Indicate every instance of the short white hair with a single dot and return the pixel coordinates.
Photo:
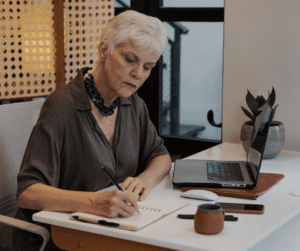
(130, 26)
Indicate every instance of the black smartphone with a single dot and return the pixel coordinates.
(242, 208)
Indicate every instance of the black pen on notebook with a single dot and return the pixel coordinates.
(90, 220)
(112, 180)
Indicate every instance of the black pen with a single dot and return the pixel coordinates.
(90, 220)
(112, 180)
(192, 216)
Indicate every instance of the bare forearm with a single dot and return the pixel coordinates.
(156, 170)
(42, 197)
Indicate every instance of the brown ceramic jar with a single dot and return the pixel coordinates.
(209, 219)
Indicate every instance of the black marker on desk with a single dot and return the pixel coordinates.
(112, 180)
(192, 216)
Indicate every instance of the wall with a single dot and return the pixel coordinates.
(261, 50)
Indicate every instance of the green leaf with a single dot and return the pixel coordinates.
(260, 101)
(251, 102)
(273, 113)
(272, 97)
(248, 114)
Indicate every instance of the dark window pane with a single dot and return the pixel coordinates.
(192, 80)
(193, 3)
(122, 3)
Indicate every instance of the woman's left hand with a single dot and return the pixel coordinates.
(136, 186)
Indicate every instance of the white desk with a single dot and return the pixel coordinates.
(251, 232)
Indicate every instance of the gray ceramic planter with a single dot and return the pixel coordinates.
(275, 141)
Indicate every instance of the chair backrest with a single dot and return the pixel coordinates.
(16, 123)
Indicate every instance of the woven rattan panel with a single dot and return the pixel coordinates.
(27, 50)
(84, 22)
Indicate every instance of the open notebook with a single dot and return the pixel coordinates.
(150, 211)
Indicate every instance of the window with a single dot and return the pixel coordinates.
(192, 80)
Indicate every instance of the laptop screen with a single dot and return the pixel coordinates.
(259, 139)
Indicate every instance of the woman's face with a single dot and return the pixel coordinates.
(127, 68)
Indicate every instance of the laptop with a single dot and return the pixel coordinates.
(228, 174)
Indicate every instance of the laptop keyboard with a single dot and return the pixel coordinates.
(224, 171)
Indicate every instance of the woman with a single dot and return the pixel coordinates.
(97, 120)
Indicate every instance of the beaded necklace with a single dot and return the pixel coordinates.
(97, 99)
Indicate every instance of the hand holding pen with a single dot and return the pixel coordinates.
(130, 203)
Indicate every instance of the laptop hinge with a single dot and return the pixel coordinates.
(250, 173)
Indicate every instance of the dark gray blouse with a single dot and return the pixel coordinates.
(67, 147)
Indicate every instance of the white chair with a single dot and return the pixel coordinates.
(16, 123)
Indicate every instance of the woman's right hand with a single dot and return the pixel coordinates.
(114, 203)
(108, 203)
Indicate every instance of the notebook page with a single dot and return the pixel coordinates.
(150, 211)
(163, 206)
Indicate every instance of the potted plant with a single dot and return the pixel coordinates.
(276, 136)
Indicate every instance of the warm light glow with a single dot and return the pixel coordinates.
(26, 48)
(27, 42)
